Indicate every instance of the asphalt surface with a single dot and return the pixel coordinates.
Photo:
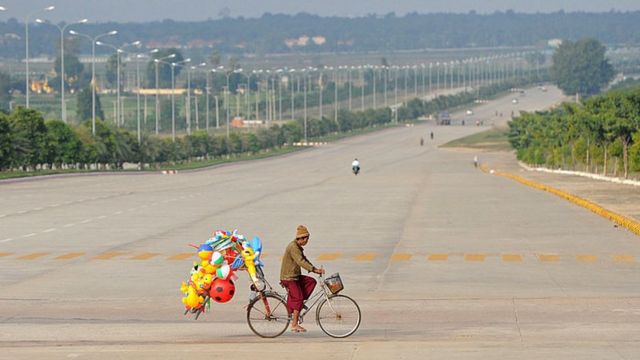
(445, 261)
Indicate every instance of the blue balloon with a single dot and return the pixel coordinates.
(205, 247)
(256, 244)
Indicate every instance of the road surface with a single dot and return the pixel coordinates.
(445, 261)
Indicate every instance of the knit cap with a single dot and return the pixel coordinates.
(301, 232)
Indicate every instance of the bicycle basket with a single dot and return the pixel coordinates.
(334, 283)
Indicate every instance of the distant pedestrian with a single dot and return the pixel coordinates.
(475, 161)
(421, 141)
(431, 135)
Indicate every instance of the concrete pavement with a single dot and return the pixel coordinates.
(446, 261)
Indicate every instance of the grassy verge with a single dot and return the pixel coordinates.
(199, 164)
(179, 166)
(231, 158)
(494, 139)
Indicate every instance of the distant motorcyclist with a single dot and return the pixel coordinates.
(355, 166)
(431, 135)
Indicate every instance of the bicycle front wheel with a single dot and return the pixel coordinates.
(268, 316)
(338, 316)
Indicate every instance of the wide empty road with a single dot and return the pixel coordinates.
(445, 261)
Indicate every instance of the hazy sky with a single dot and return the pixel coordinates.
(149, 10)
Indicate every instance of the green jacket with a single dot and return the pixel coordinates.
(292, 261)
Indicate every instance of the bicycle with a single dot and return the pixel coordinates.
(337, 315)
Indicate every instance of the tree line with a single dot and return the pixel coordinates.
(268, 33)
(602, 135)
(28, 142)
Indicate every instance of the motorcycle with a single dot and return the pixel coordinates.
(355, 169)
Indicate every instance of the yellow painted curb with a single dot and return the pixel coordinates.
(630, 224)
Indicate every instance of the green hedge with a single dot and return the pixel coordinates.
(601, 135)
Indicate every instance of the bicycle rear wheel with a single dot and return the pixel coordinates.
(267, 316)
(339, 316)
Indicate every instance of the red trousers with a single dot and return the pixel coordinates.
(299, 291)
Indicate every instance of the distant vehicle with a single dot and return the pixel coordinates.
(514, 101)
(443, 118)
(469, 112)
(544, 89)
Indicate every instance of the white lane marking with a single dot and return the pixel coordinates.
(29, 235)
(101, 217)
(6, 240)
(69, 225)
(85, 221)
(117, 213)
(131, 209)
(3, 215)
(38, 208)
(49, 230)
(21, 212)
(54, 205)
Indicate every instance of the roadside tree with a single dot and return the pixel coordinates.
(580, 68)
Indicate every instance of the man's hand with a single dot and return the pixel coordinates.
(318, 271)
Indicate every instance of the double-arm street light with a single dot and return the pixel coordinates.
(173, 95)
(157, 63)
(93, 72)
(247, 94)
(26, 31)
(62, 29)
(119, 50)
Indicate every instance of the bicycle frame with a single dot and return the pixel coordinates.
(316, 297)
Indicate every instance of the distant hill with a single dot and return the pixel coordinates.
(273, 33)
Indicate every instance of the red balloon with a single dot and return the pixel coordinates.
(222, 290)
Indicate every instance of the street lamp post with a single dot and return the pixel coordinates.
(62, 29)
(118, 117)
(320, 83)
(157, 63)
(138, 56)
(292, 94)
(385, 78)
(395, 85)
(374, 86)
(279, 72)
(349, 69)
(26, 30)
(247, 92)
(335, 94)
(304, 86)
(361, 87)
(214, 71)
(93, 72)
(173, 96)
(188, 109)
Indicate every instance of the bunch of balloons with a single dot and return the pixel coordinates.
(211, 278)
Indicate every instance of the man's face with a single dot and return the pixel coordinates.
(303, 241)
